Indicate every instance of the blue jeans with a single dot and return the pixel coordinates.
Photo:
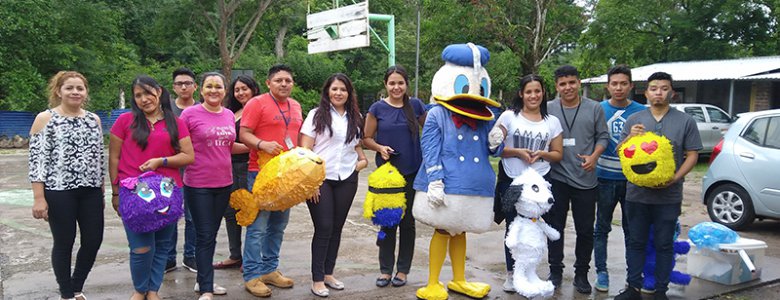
(663, 217)
(263, 239)
(611, 192)
(189, 236)
(148, 255)
(207, 206)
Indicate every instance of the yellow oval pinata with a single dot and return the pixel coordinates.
(647, 160)
(284, 181)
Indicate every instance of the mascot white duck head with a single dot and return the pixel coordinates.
(462, 85)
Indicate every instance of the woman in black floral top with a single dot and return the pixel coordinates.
(66, 171)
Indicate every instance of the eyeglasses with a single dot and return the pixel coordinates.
(184, 84)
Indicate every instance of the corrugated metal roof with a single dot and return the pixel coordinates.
(771, 76)
(727, 69)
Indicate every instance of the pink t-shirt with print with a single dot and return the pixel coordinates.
(159, 145)
(212, 137)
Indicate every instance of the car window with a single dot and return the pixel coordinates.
(696, 112)
(756, 132)
(773, 133)
(717, 116)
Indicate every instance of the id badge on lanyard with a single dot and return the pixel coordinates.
(288, 141)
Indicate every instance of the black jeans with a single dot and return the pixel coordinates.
(231, 225)
(67, 208)
(406, 237)
(328, 216)
(583, 210)
(207, 206)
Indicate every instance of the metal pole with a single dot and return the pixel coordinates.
(390, 19)
(417, 56)
(391, 41)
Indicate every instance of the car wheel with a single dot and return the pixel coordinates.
(730, 205)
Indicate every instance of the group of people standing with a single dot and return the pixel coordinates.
(211, 148)
(572, 141)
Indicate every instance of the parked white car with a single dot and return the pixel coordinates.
(712, 122)
(743, 180)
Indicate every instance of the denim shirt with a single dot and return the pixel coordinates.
(458, 156)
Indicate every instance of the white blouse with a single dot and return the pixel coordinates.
(340, 157)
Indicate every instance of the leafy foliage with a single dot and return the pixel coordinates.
(112, 41)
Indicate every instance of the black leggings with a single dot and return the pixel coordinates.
(328, 216)
(66, 208)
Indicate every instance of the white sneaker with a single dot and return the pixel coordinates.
(218, 290)
(508, 286)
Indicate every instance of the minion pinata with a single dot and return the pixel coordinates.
(385, 201)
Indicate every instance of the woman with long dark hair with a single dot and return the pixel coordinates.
(241, 90)
(148, 138)
(333, 131)
(393, 130)
(532, 140)
(66, 172)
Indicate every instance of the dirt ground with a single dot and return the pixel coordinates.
(25, 245)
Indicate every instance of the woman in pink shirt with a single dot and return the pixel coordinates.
(149, 138)
(208, 181)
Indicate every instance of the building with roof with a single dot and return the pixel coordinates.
(736, 85)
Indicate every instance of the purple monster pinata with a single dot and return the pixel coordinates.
(149, 202)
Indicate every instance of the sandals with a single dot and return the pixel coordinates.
(222, 265)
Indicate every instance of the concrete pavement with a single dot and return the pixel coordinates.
(25, 269)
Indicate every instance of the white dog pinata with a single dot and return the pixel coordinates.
(531, 197)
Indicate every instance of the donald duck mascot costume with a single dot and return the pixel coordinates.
(456, 183)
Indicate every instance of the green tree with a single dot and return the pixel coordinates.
(534, 29)
(643, 32)
(27, 27)
(234, 22)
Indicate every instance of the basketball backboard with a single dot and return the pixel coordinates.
(338, 29)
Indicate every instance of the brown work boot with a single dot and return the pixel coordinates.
(257, 288)
(276, 279)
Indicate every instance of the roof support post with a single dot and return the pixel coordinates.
(586, 90)
(731, 98)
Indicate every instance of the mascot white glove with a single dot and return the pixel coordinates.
(495, 137)
(436, 194)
